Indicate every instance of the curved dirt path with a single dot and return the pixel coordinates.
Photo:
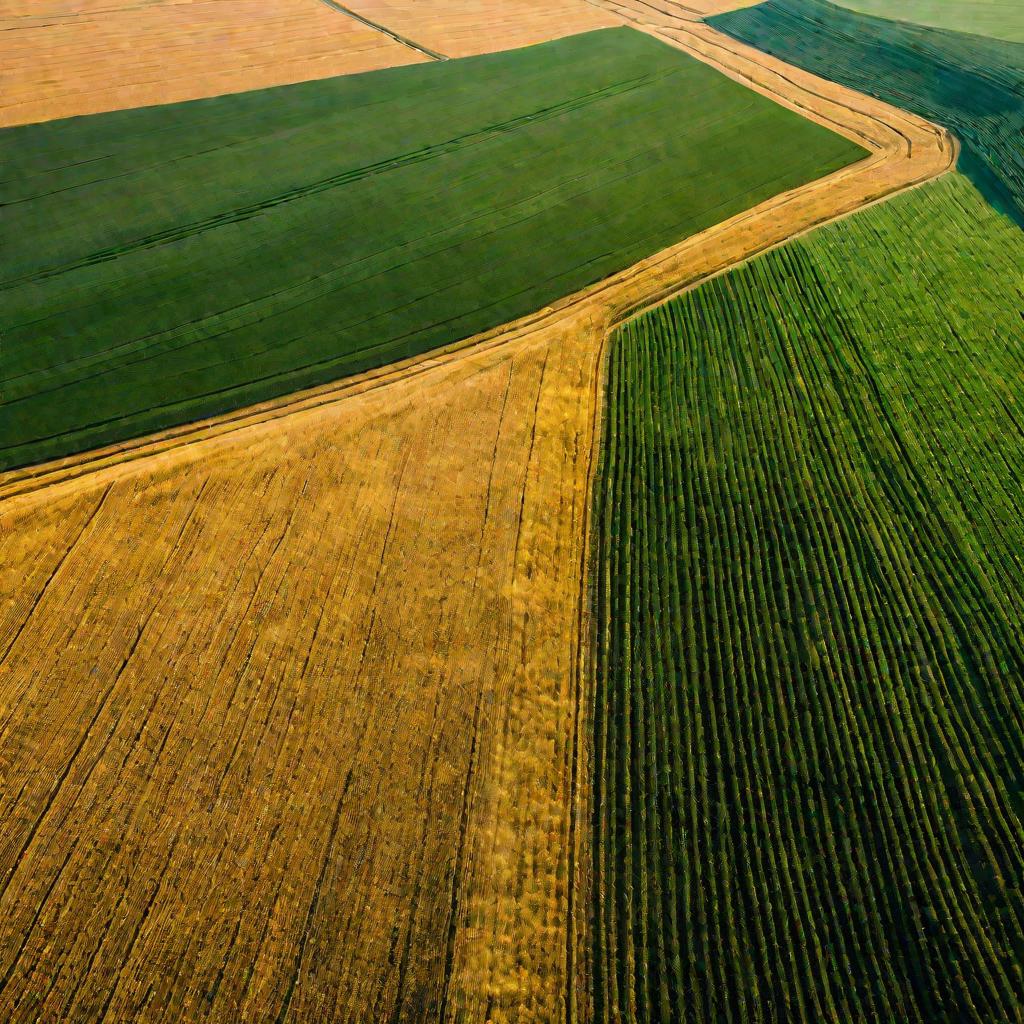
(294, 700)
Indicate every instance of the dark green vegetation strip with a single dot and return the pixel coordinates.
(174, 262)
(970, 85)
(810, 610)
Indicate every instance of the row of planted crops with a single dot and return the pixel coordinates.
(970, 84)
(809, 606)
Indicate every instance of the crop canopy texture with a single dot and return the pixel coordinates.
(174, 262)
(810, 612)
(972, 86)
(1000, 19)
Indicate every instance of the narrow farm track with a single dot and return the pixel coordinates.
(377, 27)
(294, 703)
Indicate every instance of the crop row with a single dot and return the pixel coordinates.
(809, 604)
(969, 84)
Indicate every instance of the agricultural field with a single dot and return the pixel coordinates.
(266, 759)
(509, 513)
(62, 59)
(463, 28)
(999, 19)
(809, 716)
(971, 85)
(371, 232)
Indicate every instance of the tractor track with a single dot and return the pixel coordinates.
(377, 27)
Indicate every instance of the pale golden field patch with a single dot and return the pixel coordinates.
(267, 705)
(62, 59)
(294, 703)
(461, 28)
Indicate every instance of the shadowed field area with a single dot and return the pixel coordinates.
(970, 85)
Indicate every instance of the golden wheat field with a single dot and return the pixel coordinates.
(294, 703)
(274, 707)
(63, 59)
(461, 28)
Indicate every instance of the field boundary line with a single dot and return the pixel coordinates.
(377, 27)
(946, 148)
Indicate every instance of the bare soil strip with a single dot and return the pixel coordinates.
(292, 699)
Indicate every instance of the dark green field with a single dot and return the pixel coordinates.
(185, 260)
(809, 559)
(971, 85)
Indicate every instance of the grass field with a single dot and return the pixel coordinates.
(999, 19)
(392, 213)
(972, 86)
(809, 717)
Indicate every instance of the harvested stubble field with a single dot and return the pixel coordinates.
(810, 618)
(273, 772)
(62, 59)
(462, 28)
(393, 213)
(290, 718)
(971, 85)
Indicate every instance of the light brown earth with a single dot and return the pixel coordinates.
(62, 58)
(293, 705)
(461, 28)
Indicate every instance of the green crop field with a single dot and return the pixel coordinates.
(1000, 19)
(190, 259)
(809, 559)
(972, 86)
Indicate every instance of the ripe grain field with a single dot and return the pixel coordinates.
(273, 710)
(809, 612)
(63, 60)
